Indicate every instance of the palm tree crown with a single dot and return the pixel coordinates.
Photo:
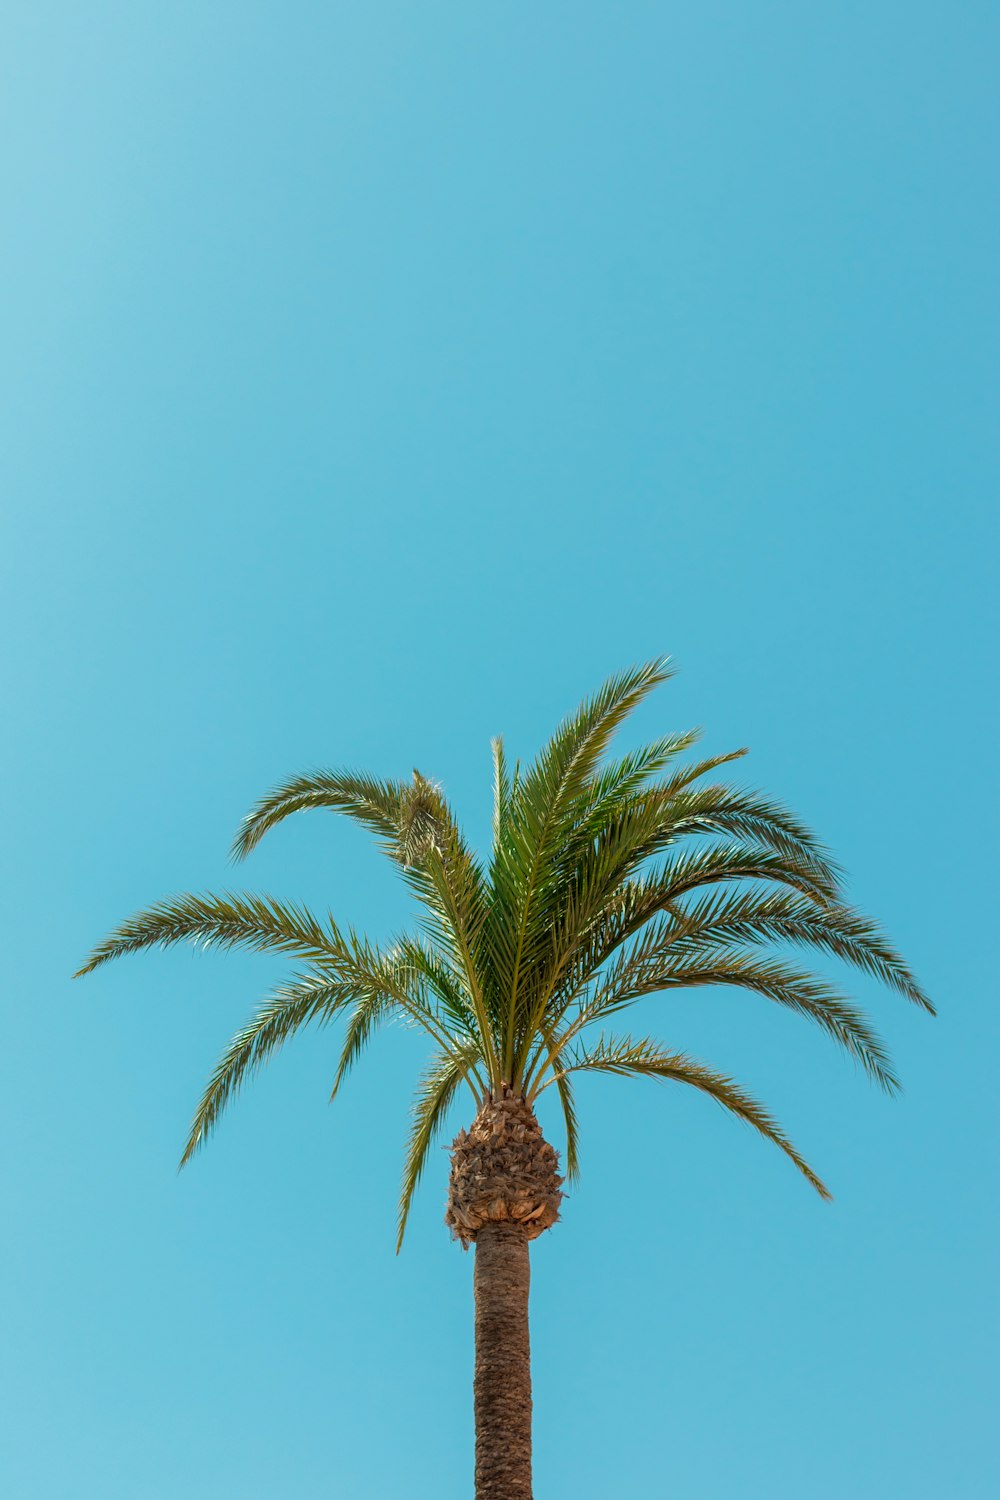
(608, 880)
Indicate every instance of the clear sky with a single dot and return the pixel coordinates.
(376, 378)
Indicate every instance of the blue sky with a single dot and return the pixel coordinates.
(374, 379)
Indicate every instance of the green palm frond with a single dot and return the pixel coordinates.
(434, 1095)
(749, 818)
(641, 973)
(604, 899)
(420, 833)
(646, 1058)
(412, 818)
(599, 839)
(407, 982)
(256, 923)
(724, 863)
(685, 777)
(373, 803)
(291, 1007)
(565, 1091)
(537, 822)
(398, 987)
(596, 923)
(501, 792)
(366, 1016)
(456, 909)
(732, 919)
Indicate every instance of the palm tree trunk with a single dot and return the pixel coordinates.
(502, 1385)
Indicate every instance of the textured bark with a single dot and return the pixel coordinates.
(502, 1384)
(504, 1191)
(503, 1170)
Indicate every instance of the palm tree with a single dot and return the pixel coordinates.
(607, 881)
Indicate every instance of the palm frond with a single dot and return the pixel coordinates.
(456, 902)
(417, 830)
(536, 824)
(611, 789)
(647, 970)
(434, 1095)
(404, 982)
(646, 1058)
(373, 803)
(613, 908)
(256, 923)
(748, 817)
(292, 1006)
(565, 1092)
(501, 793)
(734, 919)
(366, 1016)
(685, 777)
(725, 863)
(572, 754)
(771, 846)
(434, 970)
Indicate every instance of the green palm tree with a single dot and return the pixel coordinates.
(607, 881)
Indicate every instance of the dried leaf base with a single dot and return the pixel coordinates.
(503, 1170)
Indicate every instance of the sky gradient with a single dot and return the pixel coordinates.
(375, 379)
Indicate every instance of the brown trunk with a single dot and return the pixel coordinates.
(505, 1190)
(502, 1385)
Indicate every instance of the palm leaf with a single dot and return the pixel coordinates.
(598, 922)
(646, 1058)
(748, 817)
(648, 971)
(733, 919)
(565, 1092)
(373, 803)
(291, 1007)
(368, 1013)
(538, 809)
(434, 1095)
(256, 923)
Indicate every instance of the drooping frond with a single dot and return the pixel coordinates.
(748, 817)
(607, 910)
(255, 923)
(646, 1058)
(615, 835)
(731, 919)
(420, 833)
(366, 1016)
(722, 864)
(565, 1091)
(610, 790)
(435, 1093)
(605, 894)
(291, 1007)
(411, 818)
(373, 803)
(446, 986)
(645, 970)
(407, 981)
